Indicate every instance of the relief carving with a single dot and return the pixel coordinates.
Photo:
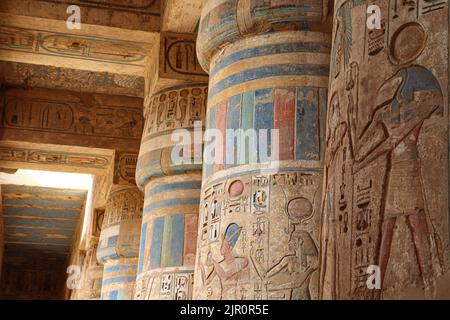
(30, 75)
(382, 204)
(52, 157)
(71, 46)
(175, 108)
(69, 117)
(258, 238)
(178, 59)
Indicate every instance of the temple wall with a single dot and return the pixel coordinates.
(385, 202)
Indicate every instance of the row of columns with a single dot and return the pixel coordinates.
(259, 218)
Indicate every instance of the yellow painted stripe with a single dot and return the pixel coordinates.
(286, 58)
(272, 82)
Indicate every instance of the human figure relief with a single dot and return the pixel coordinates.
(403, 103)
(232, 269)
(292, 274)
(337, 130)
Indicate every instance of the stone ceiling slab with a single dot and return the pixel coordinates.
(40, 226)
(181, 15)
(135, 14)
(93, 48)
(33, 75)
(70, 118)
(26, 155)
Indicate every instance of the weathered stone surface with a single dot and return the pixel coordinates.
(91, 274)
(355, 177)
(119, 277)
(119, 242)
(33, 75)
(172, 192)
(171, 110)
(36, 156)
(125, 168)
(71, 118)
(259, 221)
(135, 14)
(93, 48)
(180, 15)
(97, 223)
(386, 183)
(173, 62)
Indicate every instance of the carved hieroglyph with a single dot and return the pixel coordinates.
(174, 65)
(125, 168)
(169, 171)
(71, 118)
(169, 111)
(50, 157)
(91, 274)
(129, 14)
(119, 242)
(259, 218)
(18, 39)
(42, 76)
(168, 238)
(386, 184)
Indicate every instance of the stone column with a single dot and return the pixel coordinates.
(169, 172)
(385, 214)
(118, 247)
(91, 274)
(268, 63)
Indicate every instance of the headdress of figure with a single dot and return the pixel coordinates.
(232, 234)
(299, 210)
(400, 88)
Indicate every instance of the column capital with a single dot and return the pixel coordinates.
(120, 231)
(227, 21)
(177, 108)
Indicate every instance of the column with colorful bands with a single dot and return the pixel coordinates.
(119, 276)
(297, 113)
(172, 192)
(259, 209)
(119, 242)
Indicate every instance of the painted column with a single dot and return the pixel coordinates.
(385, 206)
(169, 171)
(172, 193)
(118, 247)
(91, 274)
(268, 63)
